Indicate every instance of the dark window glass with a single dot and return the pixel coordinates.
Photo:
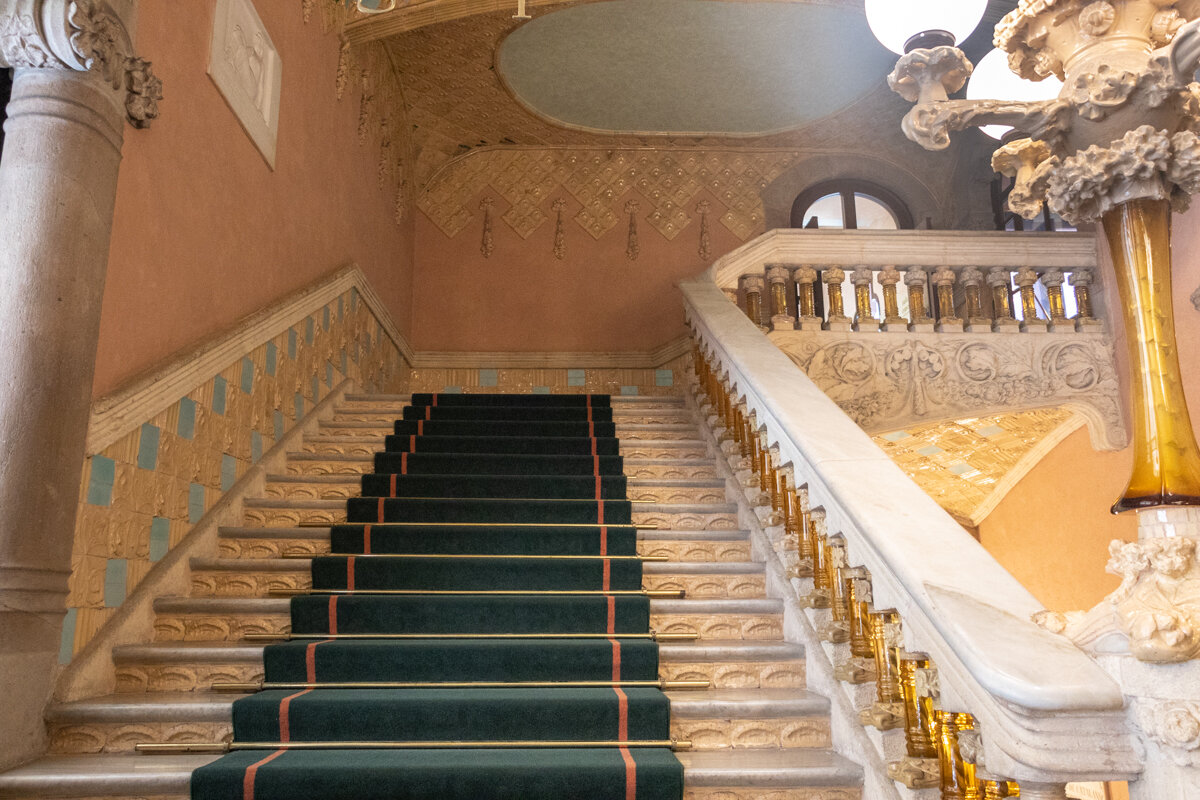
(6, 79)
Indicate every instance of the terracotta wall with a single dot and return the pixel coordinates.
(1052, 531)
(205, 232)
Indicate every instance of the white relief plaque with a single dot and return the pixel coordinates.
(246, 68)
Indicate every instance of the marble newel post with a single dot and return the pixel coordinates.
(76, 84)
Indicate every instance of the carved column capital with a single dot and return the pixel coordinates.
(80, 35)
(1052, 277)
(804, 274)
(998, 277)
(916, 276)
(1026, 276)
(944, 276)
(970, 276)
(1083, 277)
(833, 276)
(889, 276)
(861, 276)
(778, 273)
(752, 283)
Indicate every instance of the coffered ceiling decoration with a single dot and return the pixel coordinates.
(969, 465)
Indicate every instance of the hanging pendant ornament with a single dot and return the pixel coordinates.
(486, 245)
(705, 240)
(632, 249)
(560, 235)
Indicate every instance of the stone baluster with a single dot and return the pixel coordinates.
(1081, 282)
(836, 319)
(1042, 791)
(76, 82)
(892, 321)
(1053, 279)
(753, 287)
(806, 302)
(944, 279)
(777, 279)
(1026, 278)
(972, 281)
(864, 320)
(916, 280)
(998, 278)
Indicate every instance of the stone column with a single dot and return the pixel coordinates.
(1053, 280)
(76, 83)
(944, 279)
(806, 306)
(777, 280)
(998, 279)
(753, 286)
(920, 321)
(864, 320)
(972, 281)
(836, 319)
(1026, 278)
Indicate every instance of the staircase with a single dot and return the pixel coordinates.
(756, 733)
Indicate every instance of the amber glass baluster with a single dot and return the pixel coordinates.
(916, 727)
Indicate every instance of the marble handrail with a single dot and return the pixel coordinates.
(1047, 712)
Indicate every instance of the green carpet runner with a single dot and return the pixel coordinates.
(492, 545)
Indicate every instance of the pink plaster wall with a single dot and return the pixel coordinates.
(524, 299)
(1052, 531)
(205, 232)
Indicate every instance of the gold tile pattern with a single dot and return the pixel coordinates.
(171, 470)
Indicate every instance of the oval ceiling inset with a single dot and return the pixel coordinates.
(692, 66)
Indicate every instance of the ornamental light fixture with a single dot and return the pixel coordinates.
(1117, 145)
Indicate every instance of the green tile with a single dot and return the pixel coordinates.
(100, 482)
(961, 468)
(664, 377)
(195, 503)
(353, 298)
(345, 365)
(66, 645)
(278, 422)
(541, 390)
(316, 389)
(247, 376)
(228, 471)
(489, 377)
(930, 450)
(308, 330)
(160, 538)
(629, 390)
(218, 403)
(299, 404)
(341, 309)
(292, 343)
(256, 444)
(147, 457)
(576, 377)
(452, 389)
(328, 374)
(116, 572)
(325, 318)
(187, 418)
(897, 436)
(990, 430)
(272, 358)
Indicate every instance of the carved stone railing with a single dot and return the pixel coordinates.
(909, 327)
(900, 608)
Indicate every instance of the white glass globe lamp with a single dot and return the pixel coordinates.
(993, 80)
(899, 24)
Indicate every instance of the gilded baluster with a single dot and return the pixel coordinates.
(836, 319)
(837, 630)
(919, 769)
(805, 279)
(944, 279)
(1026, 278)
(998, 790)
(916, 280)
(958, 781)
(778, 276)
(764, 463)
(1002, 317)
(803, 524)
(753, 287)
(889, 276)
(1081, 282)
(859, 666)
(864, 319)
(888, 711)
(819, 596)
(1053, 279)
(972, 281)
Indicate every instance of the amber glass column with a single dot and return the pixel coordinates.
(1166, 462)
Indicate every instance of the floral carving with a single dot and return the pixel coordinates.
(705, 240)
(486, 245)
(1163, 27)
(99, 38)
(1097, 18)
(632, 248)
(143, 91)
(560, 236)
(21, 45)
(1095, 94)
(1174, 724)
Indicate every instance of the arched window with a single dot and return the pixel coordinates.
(850, 204)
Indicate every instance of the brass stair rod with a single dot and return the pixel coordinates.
(292, 554)
(653, 594)
(283, 637)
(637, 526)
(667, 686)
(156, 748)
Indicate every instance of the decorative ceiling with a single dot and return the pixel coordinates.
(680, 66)
(969, 465)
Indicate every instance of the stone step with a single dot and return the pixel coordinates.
(340, 487)
(284, 512)
(390, 412)
(766, 774)
(711, 720)
(640, 426)
(176, 666)
(617, 400)
(656, 447)
(726, 545)
(231, 618)
(700, 466)
(248, 577)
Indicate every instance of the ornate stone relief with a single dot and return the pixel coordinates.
(706, 240)
(632, 248)
(1174, 724)
(1156, 609)
(486, 245)
(560, 235)
(888, 381)
(1196, 298)
(92, 38)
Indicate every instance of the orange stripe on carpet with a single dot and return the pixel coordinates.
(607, 574)
(599, 512)
(412, 444)
(380, 510)
(310, 660)
(603, 540)
(333, 598)
(285, 733)
(350, 573)
(392, 487)
(630, 774)
(404, 463)
(616, 659)
(612, 614)
(252, 770)
(622, 715)
(435, 399)
(420, 427)
(367, 538)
